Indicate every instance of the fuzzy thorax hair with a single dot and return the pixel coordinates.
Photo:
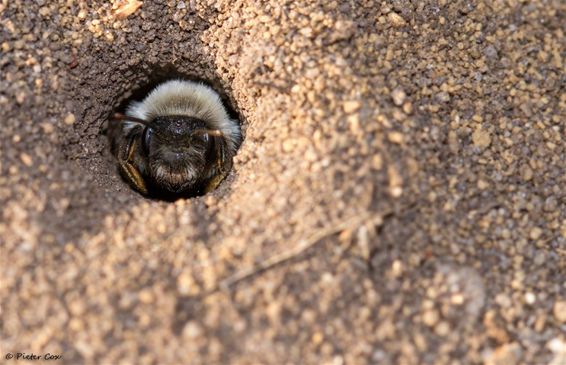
(181, 97)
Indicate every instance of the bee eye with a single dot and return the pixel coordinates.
(146, 138)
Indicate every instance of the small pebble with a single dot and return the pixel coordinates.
(530, 298)
(69, 119)
(396, 20)
(430, 317)
(395, 137)
(481, 138)
(398, 96)
(26, 159)
(352, 106)
(192, 330)
(535, 233)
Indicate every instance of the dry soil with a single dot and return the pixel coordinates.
(398, 198)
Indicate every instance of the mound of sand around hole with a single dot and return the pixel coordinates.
(397, 197)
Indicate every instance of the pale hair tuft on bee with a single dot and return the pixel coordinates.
(179, 140)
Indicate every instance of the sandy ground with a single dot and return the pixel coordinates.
(404, 160)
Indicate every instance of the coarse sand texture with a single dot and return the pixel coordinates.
(398, 197)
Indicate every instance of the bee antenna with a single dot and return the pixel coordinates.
(127, 118)
(212, 132)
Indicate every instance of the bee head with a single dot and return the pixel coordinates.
(180, 150)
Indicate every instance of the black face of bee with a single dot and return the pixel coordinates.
(178, 142)
(180, 152)
(170, 156)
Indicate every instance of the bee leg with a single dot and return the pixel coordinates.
(222, 166)
(127, 168)
(214, 182)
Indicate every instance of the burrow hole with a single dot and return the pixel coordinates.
(154, 79)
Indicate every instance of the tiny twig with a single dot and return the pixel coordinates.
(285, 256)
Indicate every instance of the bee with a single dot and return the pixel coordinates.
(178, 141)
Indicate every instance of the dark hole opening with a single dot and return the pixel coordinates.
(152, 80)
